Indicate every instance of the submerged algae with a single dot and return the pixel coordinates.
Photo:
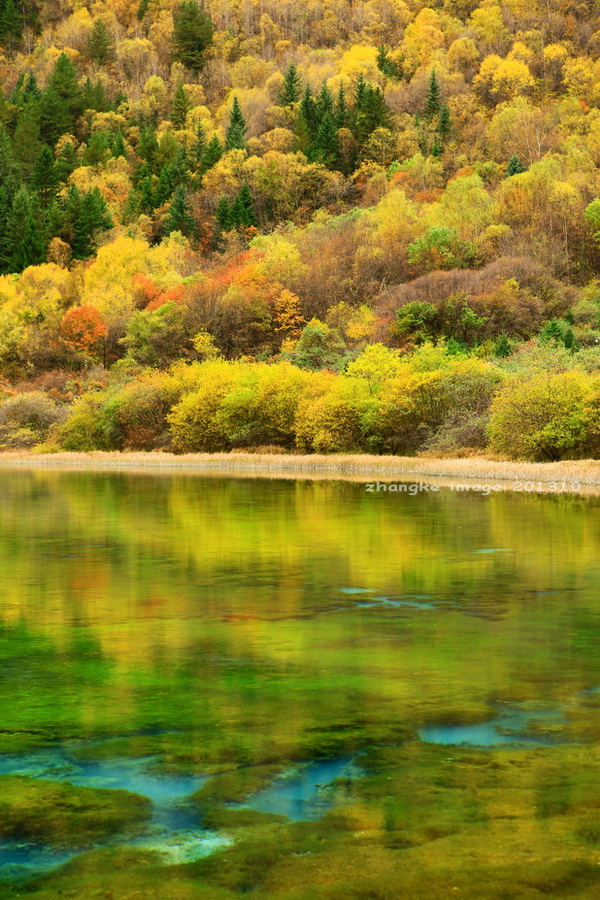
(63, 814)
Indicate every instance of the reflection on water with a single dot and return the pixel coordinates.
(242, 641)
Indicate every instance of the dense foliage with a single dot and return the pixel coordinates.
(284, 194)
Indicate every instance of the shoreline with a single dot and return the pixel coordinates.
(569, 476)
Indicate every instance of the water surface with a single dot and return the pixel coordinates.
(311, 683)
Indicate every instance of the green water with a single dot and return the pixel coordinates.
(306, 690)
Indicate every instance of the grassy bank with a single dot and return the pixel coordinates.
(571, 475)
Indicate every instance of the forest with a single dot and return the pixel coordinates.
(330, 226)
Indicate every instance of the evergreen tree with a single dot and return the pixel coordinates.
(444, 122)
(11, 23)
(100, 45)
(180, 108)
(236, 133)
(342, 113)
(26, 242)
(192, 34)
(199, 147)
(89, 215)
(370, 111)
(212, 154)
(179, 217)
(94, 96)
(223, 214)
(118, 147)
(31, 89)
(292, 87)
(142, 9)
(387, 65)
(246, 214)
(26, 139)
(308, 112)
(433, 103)
(324, 103)
(45, 177)
(326, 147)
(61, 102)
(97, 150)
(148, 147)
(67, 161)
(515, 166)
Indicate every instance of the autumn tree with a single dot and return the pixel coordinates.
(83, 329)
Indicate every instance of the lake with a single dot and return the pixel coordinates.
(216, 687)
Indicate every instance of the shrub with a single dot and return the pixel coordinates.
(544, 417)
(93, 424)
(336, 421)
(261, 408)
(193, 421)
(26, 419)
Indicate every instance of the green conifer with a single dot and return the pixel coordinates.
(181, 107)
(179, 217)
(433, 103)
(27, 245)
(100, 45)
(236, 133)
(515, 166)
(223, 214)
(192, 34)
(292, 87)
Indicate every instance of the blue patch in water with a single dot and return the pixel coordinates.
(495, 550)
(511, 727)
(173, 829)
(303, 793)
(356, 590)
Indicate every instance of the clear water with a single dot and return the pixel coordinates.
(250, 639)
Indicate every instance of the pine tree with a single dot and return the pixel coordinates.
(292, 87)
(26, 139)
(100, 45)
(199, 147)
(94, 96)
(444, 122)
(223, 214)
(326, 147)
(31, 89)
(515, 166)
(192, 34)
(142, 9)
(236, 133)
(164, 186)
(324, 102)
(180, 108)
(308, 112)
(118, 147)
(11, 24)
(433, 103)
(61, 102)
(179, 217)
(27, 245)
(387, 65)
(66, 161)
(45, 177)
(370, 111)
(342, 113)
(247, 215)
(90, 216)
(212, 154)
(148, 147)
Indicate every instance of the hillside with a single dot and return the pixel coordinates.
(323, 226)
